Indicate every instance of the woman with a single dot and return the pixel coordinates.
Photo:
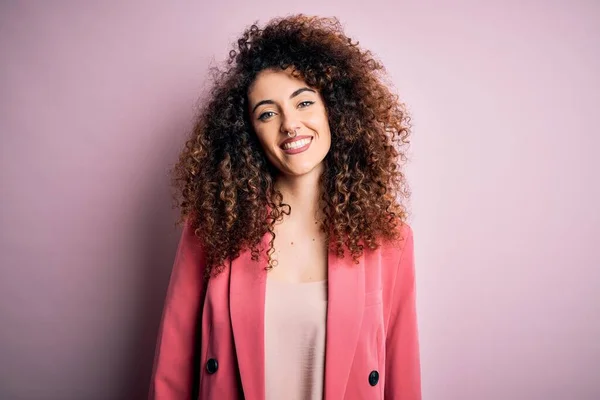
(294, 275)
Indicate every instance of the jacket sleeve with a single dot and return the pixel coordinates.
(403, 371)
(173, 374)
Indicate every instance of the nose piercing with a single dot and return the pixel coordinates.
(288, 133)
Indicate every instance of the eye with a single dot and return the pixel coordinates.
(306, 104)
(264, 116)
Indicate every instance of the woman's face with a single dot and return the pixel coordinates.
(280, 103)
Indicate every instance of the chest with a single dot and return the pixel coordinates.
(299, 257)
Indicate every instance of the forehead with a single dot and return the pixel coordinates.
(274, 84)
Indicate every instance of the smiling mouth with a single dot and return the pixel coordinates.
(296, 144)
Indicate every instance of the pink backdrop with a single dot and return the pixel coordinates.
(95, 101)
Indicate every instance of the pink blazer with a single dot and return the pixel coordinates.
(214, 349)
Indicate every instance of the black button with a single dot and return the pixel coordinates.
(212, 366)
(373, 378)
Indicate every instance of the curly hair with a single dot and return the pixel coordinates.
(224, 182)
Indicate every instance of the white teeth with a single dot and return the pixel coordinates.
(296, 144)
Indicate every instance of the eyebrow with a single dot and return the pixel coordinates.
(296, 93)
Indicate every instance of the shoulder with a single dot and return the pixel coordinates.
(190, 253)
(384, 264)
(396, 257)
(397, 270)
(394, 249)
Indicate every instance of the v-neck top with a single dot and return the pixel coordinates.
(295, 328)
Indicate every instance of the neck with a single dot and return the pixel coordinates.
(302, 194)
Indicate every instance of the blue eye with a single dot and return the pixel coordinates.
(268, 114)
(265, 115)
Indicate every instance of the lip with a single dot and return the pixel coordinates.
(294, 139)
(299, 149)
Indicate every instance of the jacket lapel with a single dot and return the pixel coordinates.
(346, 286)
(246, 302)
(346, 283)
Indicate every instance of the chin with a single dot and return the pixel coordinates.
(303, 170)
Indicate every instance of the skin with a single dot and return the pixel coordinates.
(278, 103)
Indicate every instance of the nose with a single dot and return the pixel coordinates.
(289, 124)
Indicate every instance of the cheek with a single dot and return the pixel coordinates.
(263, 138)
(325, 133)
(266, 144)
(320, 123)
(262, 141)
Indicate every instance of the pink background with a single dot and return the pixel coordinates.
(95, 101)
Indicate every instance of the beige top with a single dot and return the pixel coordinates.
(295, 322)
